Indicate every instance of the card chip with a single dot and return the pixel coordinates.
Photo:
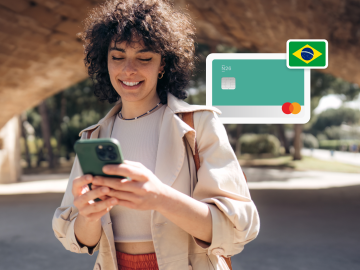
(228, 83)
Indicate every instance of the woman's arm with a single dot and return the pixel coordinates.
(87, 232)
(147, 192)
(222, 186)
(192, 216)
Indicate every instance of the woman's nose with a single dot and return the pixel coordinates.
(129, 67)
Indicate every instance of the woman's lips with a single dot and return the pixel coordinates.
(131, 87)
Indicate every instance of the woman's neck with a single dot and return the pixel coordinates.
(132, 109)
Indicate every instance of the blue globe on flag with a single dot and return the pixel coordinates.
(307, 54)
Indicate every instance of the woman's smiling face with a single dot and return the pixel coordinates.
(133, 70)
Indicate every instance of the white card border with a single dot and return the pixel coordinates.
(256, 120)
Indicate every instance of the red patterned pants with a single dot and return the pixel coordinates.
(136, 262)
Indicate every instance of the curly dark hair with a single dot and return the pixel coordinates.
(161, 27)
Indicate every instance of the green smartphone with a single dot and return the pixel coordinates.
(94, 154)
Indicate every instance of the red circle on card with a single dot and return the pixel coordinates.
(286, 108)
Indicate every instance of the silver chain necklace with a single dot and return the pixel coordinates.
(121, 117)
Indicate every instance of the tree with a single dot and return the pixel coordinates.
(323, 84)
(25, 136)
(45, 128)
(68, 112)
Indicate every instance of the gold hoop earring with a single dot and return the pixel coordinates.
(162, 74)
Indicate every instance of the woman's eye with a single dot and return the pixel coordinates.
(145, 59)
(115, 58)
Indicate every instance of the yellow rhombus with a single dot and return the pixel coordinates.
(298, 54)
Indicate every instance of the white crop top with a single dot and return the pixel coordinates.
(139, 141)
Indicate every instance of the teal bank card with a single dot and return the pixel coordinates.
(257, 88)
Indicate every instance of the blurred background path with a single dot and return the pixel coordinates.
(300, 229)
(258, 178)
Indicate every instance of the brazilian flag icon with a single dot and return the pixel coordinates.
(307, 53)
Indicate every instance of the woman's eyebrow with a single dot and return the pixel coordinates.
(117, 49)
(144, 50)
(122, 50)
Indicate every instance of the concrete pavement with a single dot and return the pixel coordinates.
(305, 230)
(309, 220)
(27, 241)
(314, 229)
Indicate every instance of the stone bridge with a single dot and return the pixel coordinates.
(40, 54)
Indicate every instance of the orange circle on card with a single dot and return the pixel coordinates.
(296, 108)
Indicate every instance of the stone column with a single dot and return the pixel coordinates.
(10, 153)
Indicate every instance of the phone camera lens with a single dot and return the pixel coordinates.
(102, 152)
(110, 148)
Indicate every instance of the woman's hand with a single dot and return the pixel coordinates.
(84, 199)
(144, 192)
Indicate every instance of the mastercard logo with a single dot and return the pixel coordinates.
(293, 108)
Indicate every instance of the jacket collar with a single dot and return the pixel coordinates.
(172, 132)
(173, 103)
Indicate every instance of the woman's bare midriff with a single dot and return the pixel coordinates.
(135, 247)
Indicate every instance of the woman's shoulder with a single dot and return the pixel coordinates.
(204, 117)
(206, 121)
(181, 106)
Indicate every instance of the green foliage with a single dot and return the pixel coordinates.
(69, 112)
(34, 119)
(335, 117)
(323, 84)
(340, 145)
(197, 85)
(259, 144)
(309, 140)
(250, 128)
(343, 132)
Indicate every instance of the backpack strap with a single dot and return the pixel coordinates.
(89, 134)
(188, 118)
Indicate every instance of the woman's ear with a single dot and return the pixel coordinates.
(162, 64)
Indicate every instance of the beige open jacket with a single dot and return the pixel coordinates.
(220, 184)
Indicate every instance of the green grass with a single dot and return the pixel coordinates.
(306, 164)
(337, 144)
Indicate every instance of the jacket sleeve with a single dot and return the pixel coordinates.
(65, 216)
(221, 184)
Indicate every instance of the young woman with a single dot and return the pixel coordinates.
(140, 55)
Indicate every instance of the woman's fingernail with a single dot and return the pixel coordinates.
(105, 189)
(88, 177)
(113, 201)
